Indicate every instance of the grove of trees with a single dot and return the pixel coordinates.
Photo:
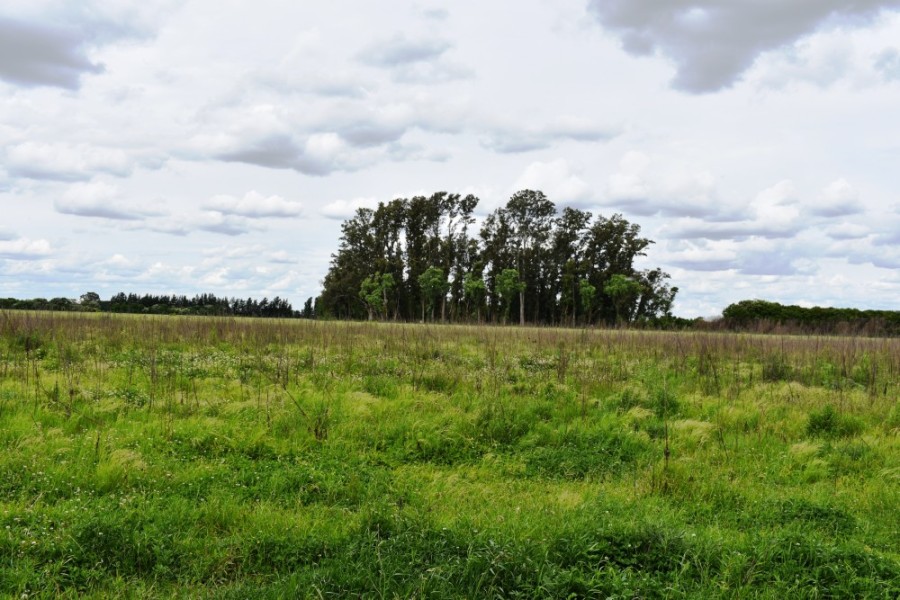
(422, 259)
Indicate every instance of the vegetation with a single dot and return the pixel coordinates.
(760, 314)
(569, 269)
(144, 456)
(201, 304)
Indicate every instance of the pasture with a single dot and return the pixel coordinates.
(255, 458)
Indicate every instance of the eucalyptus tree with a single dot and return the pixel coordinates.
(531, 217)
(508, 286)
(353, 262)
(475, 293)
(434, 285)
(566, 251)
(611, 246)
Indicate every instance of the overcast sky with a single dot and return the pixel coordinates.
(187, 146)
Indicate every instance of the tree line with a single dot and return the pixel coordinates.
(422, 259)
(756, 314)
(200, 304)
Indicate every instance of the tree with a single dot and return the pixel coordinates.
(434, 285)
(623, 291)
(508, 286)
(554, 256)
(90, 301)
(475, 292)
(567, 249)
(374, 293)
(308, 310)
(353, 262)
(588, 293)
(531, 216)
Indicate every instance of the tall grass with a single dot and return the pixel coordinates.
(221, 457)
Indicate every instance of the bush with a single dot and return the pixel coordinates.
(827, 422)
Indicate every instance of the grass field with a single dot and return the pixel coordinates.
(204, 457)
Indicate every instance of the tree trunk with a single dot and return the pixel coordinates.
(522, 307)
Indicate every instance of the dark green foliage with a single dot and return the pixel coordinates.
(576, 454)
(763, 314)
(828, 422)
(562, 262)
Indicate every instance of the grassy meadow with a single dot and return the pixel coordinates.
(251, 458)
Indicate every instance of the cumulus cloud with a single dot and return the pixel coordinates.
(25, 249)
(773, 213)
(49, 43)
(847, 231)
(65, 162)
(414, 60)
(255, 206)
(345, 209)
(887, 63)
(838, 199)
(711, 42)
(319, 154)
(556, 179)
(95, 199)
(34, 54)
(516, 139)
(645, 186)
(755, 256)
(400, 50)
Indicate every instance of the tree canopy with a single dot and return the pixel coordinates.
(528, 259)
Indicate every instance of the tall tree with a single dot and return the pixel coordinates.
(531, 217)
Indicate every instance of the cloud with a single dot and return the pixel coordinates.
(413, 60)
(319, 154)
(48, 43)
(34, 54)
(400, 50)
(773, 213)
(847, 231)
(255, 206)
(512, 140)
(209, 221)
(342, 210)
(557, 181)
(838, 199)
(755, 256)
(644, 186)
(65, 162)
(711, 42)
(25, 249)
(95, 199)
(887, 63)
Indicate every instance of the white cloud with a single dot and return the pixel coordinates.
(512, 139)
(645, 185)
(838, 199)
(50, 43)
(95, 199)
(773, 213)
(25, 249)
(345, 209)
(712, 43)
(254, 205)
(65, 162)
(557, 180)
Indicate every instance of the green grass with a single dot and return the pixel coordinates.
(185, 457)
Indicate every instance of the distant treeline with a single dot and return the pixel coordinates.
(201, 304)
(763, 316)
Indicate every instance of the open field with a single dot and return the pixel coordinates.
(238, 458)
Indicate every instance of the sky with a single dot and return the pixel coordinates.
(190, 146)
